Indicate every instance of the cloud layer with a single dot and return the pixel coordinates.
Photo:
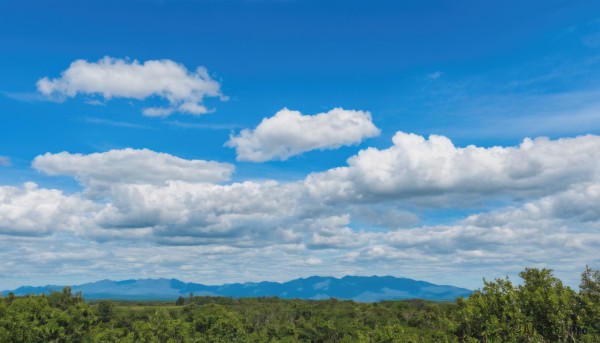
(145, 211)
(118, 78)
(289, 133)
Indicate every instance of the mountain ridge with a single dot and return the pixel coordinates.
(357, 288)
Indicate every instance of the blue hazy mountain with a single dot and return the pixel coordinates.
(358, 288)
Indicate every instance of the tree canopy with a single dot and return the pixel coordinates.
(538, 309)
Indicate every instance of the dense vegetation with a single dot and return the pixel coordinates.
(540, 309)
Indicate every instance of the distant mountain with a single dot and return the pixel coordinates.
(358, 288)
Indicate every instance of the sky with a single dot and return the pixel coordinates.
(233, 141)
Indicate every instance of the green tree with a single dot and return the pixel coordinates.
(105, 310)
(216, 324)
(541, 309)
(490, 314)
(548, 305)
(589, 301)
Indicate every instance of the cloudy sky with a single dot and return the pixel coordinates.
(228, 141)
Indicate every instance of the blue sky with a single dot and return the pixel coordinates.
(347, 180)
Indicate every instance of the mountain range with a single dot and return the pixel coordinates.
(357, 288)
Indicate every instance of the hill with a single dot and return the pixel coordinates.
(358, 288)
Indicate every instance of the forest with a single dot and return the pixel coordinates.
(540, 308)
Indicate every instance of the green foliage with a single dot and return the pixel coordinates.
(589, 301)
(59, 317)
(540, 309)
(549, 307)
(105, 310)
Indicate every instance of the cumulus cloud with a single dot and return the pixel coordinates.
(422, 169)
(131, 166)
(5, 161)
(117, 78)
(30, 210)
(181, 213)
(245, 214)
(289, 133)
(576, 206)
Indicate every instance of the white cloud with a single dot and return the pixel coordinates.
(131, 166)
(435, 75)
(5, 161)
(158, 111)
(108, 122)
(576, 206)
(118, 78)
(289, 133)
(181, 213)
(313, 261)
(422, 170)
(30, 210)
